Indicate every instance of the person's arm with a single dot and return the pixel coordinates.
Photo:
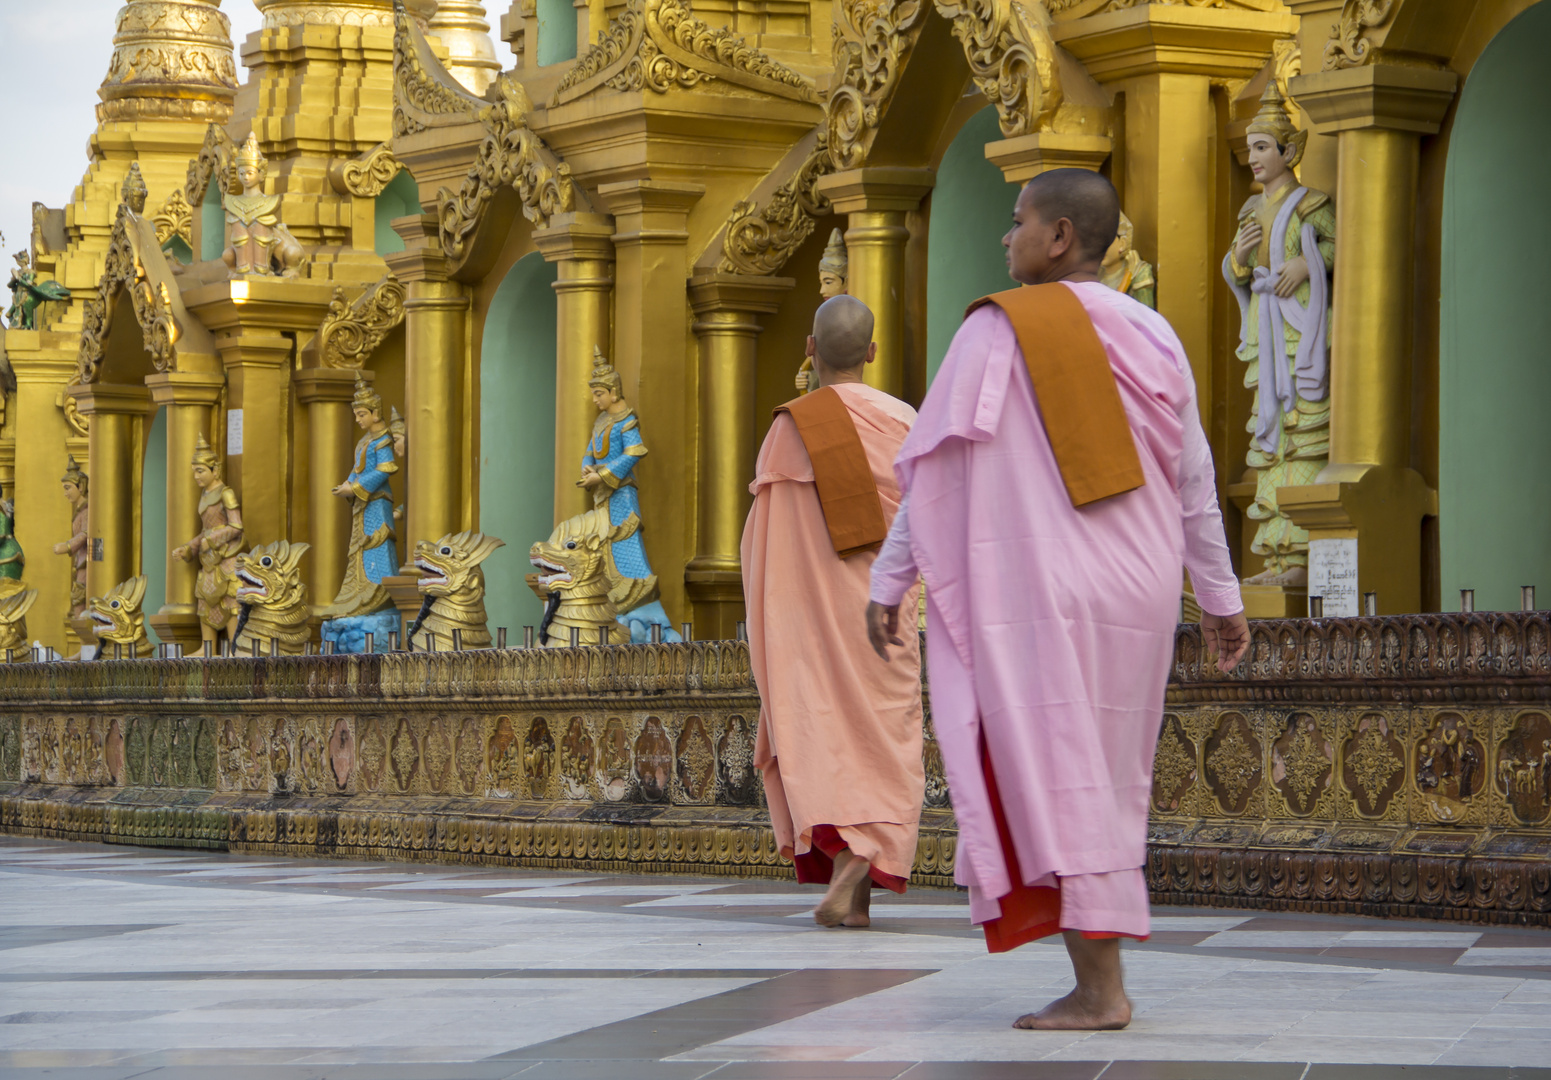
(1223, 626)
(894, 573)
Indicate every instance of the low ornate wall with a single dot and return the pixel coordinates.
(1388, 766)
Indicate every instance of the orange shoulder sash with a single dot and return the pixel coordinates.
(848, 493)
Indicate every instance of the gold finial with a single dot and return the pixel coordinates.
(1273, 120)
(836, 259)
(204, 455)
(366, 397)
(250, 154)
(604, 375)
(74, 475)
(134, 191)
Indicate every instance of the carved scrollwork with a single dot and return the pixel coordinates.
(872, 41)
(1012, 59)
(175, 218)
(1077, 9)
(424, 94)
(365, 176)
(657, 45)
(217, 161)
(152, 303)
(760, 241)
(352, 331)
(511, 155)
(1349, 45)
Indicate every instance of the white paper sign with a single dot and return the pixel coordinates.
(1333, 576)
(233, 432)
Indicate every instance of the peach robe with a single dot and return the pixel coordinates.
(839, 729)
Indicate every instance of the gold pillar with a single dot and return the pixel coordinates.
(876, 201)
(324, 395)
(652, 353)
(258, 371)
(1320, 156)
(189, 399)
(1369, 491)
(726, 308)
(581, 245)
(116, 415)
(42, 442)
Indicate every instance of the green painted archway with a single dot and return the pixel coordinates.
(1494, 407)
(971, 210)
(400, 198)
(153, 519)
(517, 435)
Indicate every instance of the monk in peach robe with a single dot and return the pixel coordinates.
(1057, 482)
(839, 729)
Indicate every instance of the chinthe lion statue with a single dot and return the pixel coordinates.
(581, 587)
(15, 600)
(117, 620)
(452, 586)
(274, 600)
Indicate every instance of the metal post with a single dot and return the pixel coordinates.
(1526, 598)
(371, 644)
(274, 647)
(393, 641)
(10, 656)
(687, 631)
(742, 632)
(1371, 604)
(527, 637)
(118, 650)
(457, 639)
(307, 647)
(656, 633)
(576, 637)
(603, 633)
(1316, 607)
(329, 648)
(1467, 601)
(430, 642)
(500, 637)
(208, 648)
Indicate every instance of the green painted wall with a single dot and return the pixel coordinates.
(399, 199)
(1494, 409)
(557, 31)
(153, 520)
(517, 436)
(971, 210)
(212, 224)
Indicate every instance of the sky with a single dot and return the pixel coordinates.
(53, 56)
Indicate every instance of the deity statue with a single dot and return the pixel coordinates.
(256, 240)
(216, 547)
(1127, 272)
(1279, 268)
(363, 605)
(833, 268)
(11, 558)
(27, 292)
(74, 483)
(400, 432)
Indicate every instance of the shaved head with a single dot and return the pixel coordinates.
(1084, 198)
(842, 330)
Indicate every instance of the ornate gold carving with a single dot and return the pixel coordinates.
(1371, 764)
(175, 218)
(1524, 767)
(1233, 765)
(152, 304)
(657, 44)
(65, 402)
(511, 155)
(1349, 45)
(217, 160)
(351, 332)
(366, 176)
(1012, 59)
(1302, 760)
(1286, 63)
(118, 621)
(172, 59)
(425, 95)
(1077, 9)
(278, 13)
(1173, 767)
(760, 241)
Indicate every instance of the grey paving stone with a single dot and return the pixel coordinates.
(1005, 1070)
(1204, 1070)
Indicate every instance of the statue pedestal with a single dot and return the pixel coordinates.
(178, 626)
(405, 590)
(1275, 601)
(81, 630)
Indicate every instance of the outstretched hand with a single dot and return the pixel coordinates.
(1226, 637)
(883, 628)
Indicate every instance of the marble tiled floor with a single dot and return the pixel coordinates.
(127, 962)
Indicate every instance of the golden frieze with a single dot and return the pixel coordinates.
(351, 332)
(172, 59)
(425, 95)
(365, 176)
(1077, 9)
(657, 44)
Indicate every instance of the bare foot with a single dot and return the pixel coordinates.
(1074, 1014)
(836, 904)
(861, 902)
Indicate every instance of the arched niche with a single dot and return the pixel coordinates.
(971, 210)
(557, 31)
(1494, 408)
(400, 198)
(517, 434)
(212, 224)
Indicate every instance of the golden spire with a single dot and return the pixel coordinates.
(172, 60)
(836, 260)
(204, 455)
(134, 191)
(471, 55)
(1273, 120)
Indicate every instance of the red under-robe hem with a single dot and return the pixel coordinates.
(816, 866)
(1029, 912)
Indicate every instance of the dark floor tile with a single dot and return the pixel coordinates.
(1005, 1070)
(1413, 956)
(1407, 1072)
(1204, 1070)
(1180, 937)
(618, 1069)
(73, 1072)
(812, 1070)
(452, 1070)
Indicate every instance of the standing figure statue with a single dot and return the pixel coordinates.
(1279, 268)
(74, 483)
(256, 240)
(834, 268)
(27, 292)
(1127, 272)
(216, 548)
(363, 605)
(11, 558)
(400, 432)
(608, 471)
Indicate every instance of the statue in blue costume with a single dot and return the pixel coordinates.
(363, 605)
(608, 471)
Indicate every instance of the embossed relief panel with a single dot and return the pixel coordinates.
(503, 759)
(403, 757)
(694, 764)
(113, 752)
(341, 754)
(1235, 764)
(740, 783)
(1302, 761)
(10, 747)
(578, 755)
(614, 761)
(468, 756)
(372, 752)
(1449, 767)
(1173, 766)
(311, 757)
(1373, 764)
(653, 762)
(436, 754)
(1523, 769)
(282, 756)
(937, 794)
(538, 759)
(134, 750)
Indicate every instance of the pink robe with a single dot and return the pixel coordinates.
(1051, 629)
(839, 729)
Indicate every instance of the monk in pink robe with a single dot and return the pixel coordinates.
(1051, 626)
(839, 739)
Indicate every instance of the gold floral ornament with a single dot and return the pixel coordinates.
(425, 95)
(351, 332)
(1349, 45)
(175, 218)
(1012, 59)
(216, 161)
(1077, 9)
(366, 176)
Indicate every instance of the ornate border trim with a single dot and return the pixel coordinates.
(351, 332)
(367, 175)
(424, 94)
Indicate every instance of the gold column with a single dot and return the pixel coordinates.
(876, 201)
(190, 399)
(42, 515)
(324, 395)
(258, 370)
(726, 308)
(116, 415)
(1369, 490)
(652, 352)
(581, 245)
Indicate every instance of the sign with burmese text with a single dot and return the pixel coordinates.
(1333, 576)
